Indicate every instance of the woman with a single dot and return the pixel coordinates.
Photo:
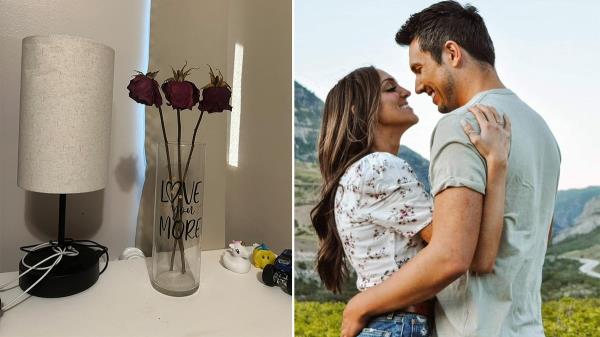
(371, 205)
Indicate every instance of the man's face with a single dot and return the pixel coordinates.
(432, 78)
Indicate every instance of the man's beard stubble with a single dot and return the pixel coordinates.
(450, 103)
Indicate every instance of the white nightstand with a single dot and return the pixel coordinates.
(123, 303)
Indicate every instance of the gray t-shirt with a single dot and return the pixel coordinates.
(506, 302)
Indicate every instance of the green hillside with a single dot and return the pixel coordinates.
(561, 276)
(307, 180)
(576, 243)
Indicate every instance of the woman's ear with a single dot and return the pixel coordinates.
(453, 53)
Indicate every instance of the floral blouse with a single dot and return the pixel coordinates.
(380, 207)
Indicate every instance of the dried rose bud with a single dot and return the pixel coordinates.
(180, 93)
(144, 89)
(215, 95)
(215, 99)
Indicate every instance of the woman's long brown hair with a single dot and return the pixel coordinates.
(347, 135)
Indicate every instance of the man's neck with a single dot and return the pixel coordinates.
(479, 80)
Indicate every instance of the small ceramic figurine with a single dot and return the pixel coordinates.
(236, 258)
(262, 256)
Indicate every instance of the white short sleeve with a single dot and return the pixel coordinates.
(391, 196)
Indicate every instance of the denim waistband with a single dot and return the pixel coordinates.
(400, 316)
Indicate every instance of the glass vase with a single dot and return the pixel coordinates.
(178, 205)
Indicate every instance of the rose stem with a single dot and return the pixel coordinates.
(162, 124)
(187, 165)
(173, 208)
(179, 197)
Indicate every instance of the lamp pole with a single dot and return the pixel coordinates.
(61, 219)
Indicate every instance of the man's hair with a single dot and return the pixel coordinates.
(448, 20)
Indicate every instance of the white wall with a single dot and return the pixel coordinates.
(107, 216)
(259, 190)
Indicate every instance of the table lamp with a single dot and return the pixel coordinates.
(64, 142)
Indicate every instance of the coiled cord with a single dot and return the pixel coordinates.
(66, 250)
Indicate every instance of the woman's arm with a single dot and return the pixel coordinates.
(492, 220)
(426, 232)
(493, 143)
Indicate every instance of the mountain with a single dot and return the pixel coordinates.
(586, 222)
(308, 110)
(570, 205)
(419, 164)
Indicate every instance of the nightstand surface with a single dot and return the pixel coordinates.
(123, 303)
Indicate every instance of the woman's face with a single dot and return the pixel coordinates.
(393, 108)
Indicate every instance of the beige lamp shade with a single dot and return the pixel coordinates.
(66, 107)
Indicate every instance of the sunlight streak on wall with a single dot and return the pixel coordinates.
(236, 103)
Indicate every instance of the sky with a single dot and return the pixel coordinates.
(547, 52)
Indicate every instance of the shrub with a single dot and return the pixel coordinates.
(567, 317)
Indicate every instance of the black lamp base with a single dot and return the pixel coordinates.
(73, 274)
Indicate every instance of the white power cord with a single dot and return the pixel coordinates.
(59, 253)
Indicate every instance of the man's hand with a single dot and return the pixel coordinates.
(353, 319)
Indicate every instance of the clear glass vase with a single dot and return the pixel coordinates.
(178, 205)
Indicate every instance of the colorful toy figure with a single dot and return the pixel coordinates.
(280, 273)
(262, 256)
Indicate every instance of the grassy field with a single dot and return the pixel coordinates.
(307, 180)
(567, 317)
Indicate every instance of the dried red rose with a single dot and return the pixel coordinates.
(215, 95)
(144, 89)
(181, 94)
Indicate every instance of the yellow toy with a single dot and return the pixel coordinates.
(262, 256)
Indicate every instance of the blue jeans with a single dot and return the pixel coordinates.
(398, 324)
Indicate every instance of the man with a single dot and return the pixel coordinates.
(452, 57)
